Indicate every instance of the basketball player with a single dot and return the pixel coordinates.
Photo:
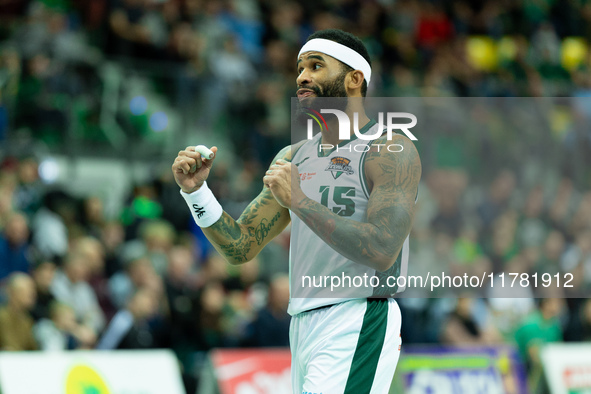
(358, 223)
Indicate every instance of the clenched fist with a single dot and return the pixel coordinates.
(284, 181)
(191, 170)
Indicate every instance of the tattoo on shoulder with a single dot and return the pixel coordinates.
(404, 165)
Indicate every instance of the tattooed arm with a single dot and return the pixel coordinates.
(263, 219)
(393, 179)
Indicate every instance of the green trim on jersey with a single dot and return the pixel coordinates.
(297, 149)
(369, 347)
(364, 183)
(363, 130)
(362, 177)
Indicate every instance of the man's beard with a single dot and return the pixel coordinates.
(333, 95)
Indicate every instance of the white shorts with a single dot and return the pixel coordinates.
(348, 348)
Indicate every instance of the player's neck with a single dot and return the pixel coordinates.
(331, 134)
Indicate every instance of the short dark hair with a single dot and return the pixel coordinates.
(348, 40)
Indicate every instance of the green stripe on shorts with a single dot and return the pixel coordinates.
(369, 347)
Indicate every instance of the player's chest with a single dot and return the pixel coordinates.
(336, 182)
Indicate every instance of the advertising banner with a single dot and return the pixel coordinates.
(260, 371)
(568, 368)
(439, 370)
(84, 372)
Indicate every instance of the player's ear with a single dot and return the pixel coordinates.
(354, 81)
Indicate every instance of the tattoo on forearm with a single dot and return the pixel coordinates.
(264, 228)
(234, 239)
(238, 250)
(354, 240)
(253, 208)
(228, 235)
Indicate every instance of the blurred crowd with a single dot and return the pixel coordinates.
(73, 277)
(227, 62)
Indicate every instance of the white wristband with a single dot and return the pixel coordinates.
(205, 208)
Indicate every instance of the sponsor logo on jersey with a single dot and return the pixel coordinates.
(339, 165)
(304, 176)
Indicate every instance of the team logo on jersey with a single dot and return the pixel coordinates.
(339, 165)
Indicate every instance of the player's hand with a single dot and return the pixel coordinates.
(191, 170)
(284, 180)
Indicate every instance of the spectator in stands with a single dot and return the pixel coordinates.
(130, 328)
(135, 31)
(50, 232)
(210, 316)
(578, 253)
(539, 328)
(448, 188)
(92, 216)
(532, 231)
(434, 27)
(503, 246)
(157, 238)
(112, 237)
(551, 254)
(62, 331)
(28, 194)
(16, 324)
(215, 269)
(143, 207)
(560, 210)
(579, 325)
(245, 293)
(14, 246)
(43, 275)
(271, 325)
(581, 220)
(181, 286)
(8, 184)
(37, 105)
(71, 287)
(462, 327)
(139, 273)
(93, 252)
(496, 202)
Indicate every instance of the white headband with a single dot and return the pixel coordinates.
(340, 52)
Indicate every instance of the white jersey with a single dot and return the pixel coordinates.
(336, 180)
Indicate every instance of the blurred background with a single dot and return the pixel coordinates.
(98, 250)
